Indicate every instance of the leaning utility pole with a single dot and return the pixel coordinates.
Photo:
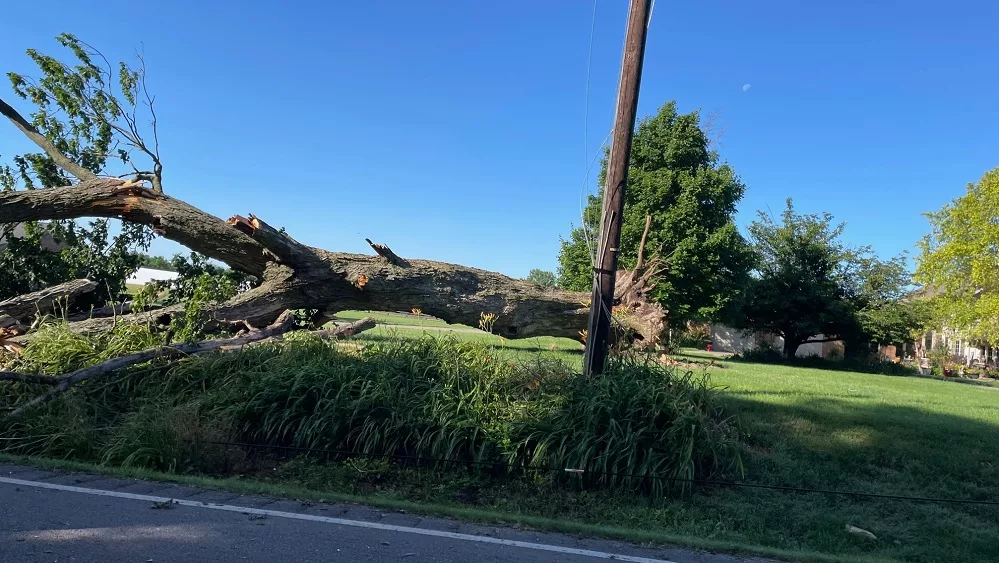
(598, 330)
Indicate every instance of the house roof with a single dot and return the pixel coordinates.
(48, 242)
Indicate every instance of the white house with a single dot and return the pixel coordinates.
(146, 275)
(728, 339)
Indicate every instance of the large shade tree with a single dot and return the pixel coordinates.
(959, 260)
(691, 196)
(808, 286)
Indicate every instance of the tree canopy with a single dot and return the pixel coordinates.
(808, 283)
(158, 262)
(88, 114)
(959, 260)
(544, 278)
(691, 195)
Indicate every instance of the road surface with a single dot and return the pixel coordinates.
(49, 516)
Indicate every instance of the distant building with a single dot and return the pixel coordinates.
(146, 275)
(728, 339)
(48, 242)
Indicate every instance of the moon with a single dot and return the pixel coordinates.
(746, 87)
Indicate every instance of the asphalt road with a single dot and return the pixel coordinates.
(48, 516)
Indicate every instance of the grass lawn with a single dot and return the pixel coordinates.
(879, 434)
(810, 428)
(393, 326)
(405, 319)
(826, 429)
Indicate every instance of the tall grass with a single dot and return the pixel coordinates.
(435, 397)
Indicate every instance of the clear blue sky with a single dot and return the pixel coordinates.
(454, 130)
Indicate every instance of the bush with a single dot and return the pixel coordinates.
(768, 355)
(434, 398)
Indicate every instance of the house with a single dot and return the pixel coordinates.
(145, 275)
(728, 339)
(48, 242)
(960, 348)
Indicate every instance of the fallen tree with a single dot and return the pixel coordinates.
(19, 310)
(292, 275)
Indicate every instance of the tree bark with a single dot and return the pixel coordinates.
(296, 276)
(25, 306)
(791, 345)
(115, 310)
(60, 159)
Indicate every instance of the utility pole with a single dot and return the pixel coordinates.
(598, 330)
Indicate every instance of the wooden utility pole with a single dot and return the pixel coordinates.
(598, 330)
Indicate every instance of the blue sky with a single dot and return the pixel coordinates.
(454, 131)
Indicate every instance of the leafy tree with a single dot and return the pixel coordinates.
(807, 282)
(195, 272)
(674, 177)
(885, 311)
(157, 263)
(959, 260)
(79, 114)
(896, 322)
(199, 282)
(544, 278)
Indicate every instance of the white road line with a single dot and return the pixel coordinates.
(336, 521)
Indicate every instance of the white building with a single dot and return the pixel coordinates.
(146, 275)
(728, 339)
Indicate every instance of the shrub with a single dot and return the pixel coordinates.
(761, 354)
(168, 438)
(767, 355)
(452, 402)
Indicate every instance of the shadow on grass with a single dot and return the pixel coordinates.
(844, 445)
(855, 366)
(823, 442)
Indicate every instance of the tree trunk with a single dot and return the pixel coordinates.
(23, 307)
(296, 276)
(791, 345)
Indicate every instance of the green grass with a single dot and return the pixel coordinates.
(400, 326)
(405, 319)
(564, 349)
(828, 429)
(299, 480)
(816, 428)
(894, 435)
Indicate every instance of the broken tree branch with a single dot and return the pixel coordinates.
(339, 332)
(347, 330)
(284, 323)
(61, 160)
(29, 378)
(386, 253)
(114, 310)
(121, 199)
(25, 306)
(641, 245)
(295, 276)
(286, 249)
